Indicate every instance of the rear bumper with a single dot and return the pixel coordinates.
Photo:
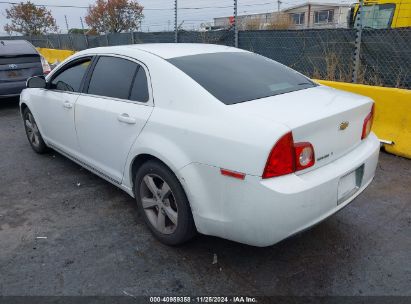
(10, 89)
(263, 212)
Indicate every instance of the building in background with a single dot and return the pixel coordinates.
(252, 21)
(302, 16)
(318, 15)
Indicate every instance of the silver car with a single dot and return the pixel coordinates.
(19, 60)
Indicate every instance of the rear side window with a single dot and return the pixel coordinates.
(112, 77)
(70, 79)
(234, 77)
(139, 91)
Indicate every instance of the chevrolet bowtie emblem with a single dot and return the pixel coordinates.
(344, 125)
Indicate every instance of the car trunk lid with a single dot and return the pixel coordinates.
(331, 120)
(15, 68)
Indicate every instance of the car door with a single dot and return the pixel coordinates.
(55, 105)
(111, 113)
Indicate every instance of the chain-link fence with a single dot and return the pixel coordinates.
(385, 57)
(323, 54)
(78, 42)
(385, 54)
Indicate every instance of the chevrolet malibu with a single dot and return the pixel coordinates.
(207, 138)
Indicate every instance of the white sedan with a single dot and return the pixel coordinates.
(207, 138)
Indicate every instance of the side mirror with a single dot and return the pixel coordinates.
(36, 82)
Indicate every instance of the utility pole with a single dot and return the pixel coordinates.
(175, 22)
(357, 48)
(235, 24)
(309, 16)
(67, 26)
(106, 34)
(278, 5)
(68, 33)
(84, 32)
(82, 24)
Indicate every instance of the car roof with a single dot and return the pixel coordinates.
(16, 48)
(166, 50)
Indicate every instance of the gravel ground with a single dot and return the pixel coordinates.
(95, 243)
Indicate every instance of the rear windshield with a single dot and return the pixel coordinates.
(235, 77)
(16, 48)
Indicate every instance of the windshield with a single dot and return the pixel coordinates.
(377, 16)
(234, 77)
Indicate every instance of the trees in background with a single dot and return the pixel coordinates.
(29, 19)
(114, 16)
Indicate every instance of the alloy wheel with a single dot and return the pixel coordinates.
(159, 203)
(32, 130)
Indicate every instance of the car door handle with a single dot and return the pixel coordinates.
(67, 105)
(126, 118)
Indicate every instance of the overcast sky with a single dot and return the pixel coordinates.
(160, 20)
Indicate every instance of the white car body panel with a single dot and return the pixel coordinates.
(106, 130)
(56, 114)
(195, 135)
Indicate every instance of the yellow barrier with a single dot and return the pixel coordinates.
(392, 113)
(54, 56)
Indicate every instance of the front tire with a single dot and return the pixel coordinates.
(33, 134)
(163, 203)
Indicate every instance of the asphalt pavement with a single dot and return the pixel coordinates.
(64, 231)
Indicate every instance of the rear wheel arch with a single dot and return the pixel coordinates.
(140, 159)
(136, 164)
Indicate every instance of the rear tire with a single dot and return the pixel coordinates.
(33, 134)
(162, 202)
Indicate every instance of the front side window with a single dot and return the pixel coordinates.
(234, 77)
(112, 77)
(324, 16)
(70, 79)
(377, 16)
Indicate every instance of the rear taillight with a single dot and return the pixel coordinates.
(368, 121)
(281, 159)
(304, 155)
(287, 157)
(45, 65)
(366, 128)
